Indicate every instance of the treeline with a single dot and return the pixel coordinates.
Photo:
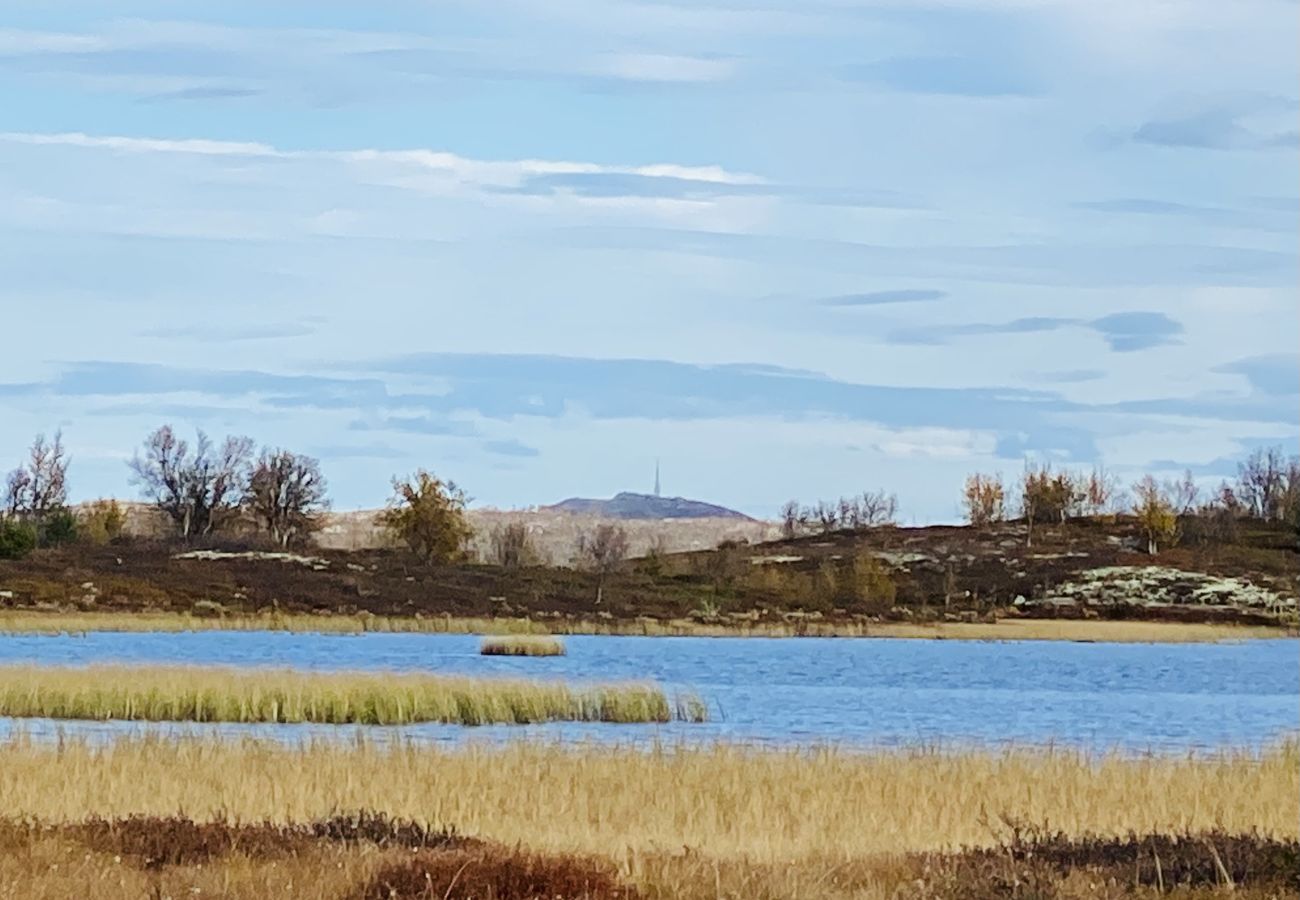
(869, 509)
(200, 489)
(204, 490)
(1267, 488)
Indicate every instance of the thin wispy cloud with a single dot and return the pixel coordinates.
(884, 298)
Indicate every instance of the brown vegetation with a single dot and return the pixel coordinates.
(495, 873)
(427, 514)
(844, 583)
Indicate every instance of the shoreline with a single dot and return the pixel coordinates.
(35, 623)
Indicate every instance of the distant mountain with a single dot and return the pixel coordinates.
(628, 505)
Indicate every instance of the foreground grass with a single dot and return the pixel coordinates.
(159, 693)
(522, 645)
(33, 622)
(723, 823)
(725, 802)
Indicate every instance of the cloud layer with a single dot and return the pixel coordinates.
(789, 249)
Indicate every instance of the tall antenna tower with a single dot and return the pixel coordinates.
(656, 476)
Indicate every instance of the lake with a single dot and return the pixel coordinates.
(867, 692)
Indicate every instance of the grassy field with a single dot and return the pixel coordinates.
(712, 823)
(522, 645)
(727, 802)
(160, 693)
(29, 622)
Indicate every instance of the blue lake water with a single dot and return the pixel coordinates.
(801, 690)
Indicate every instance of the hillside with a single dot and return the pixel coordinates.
(553, 531)
(628, 505)
(837, 583)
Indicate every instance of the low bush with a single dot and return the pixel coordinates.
(152, 842)
(495, 873)
(17, 539)
(100, 522)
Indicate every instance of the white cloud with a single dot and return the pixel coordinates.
(143, 145)
(666, 67)
(17, 42)
(509, 173)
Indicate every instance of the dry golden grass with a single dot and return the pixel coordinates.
(766, 807)
(162, 693)
(522, 645)
(32, 622)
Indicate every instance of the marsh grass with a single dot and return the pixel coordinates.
(522, 645)
(51, 623)
(725, 802)
(154, 817)
(285, 696)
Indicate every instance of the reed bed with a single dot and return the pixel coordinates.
(522, 645)
(50, 623)
(756, 808)
(283, 696)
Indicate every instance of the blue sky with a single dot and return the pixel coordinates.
(790, 249)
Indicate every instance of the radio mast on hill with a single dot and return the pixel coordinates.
(656, 476)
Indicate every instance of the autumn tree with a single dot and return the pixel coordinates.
(984, 499)
(601, 550)
(285, 494)
(39, 485)
(1100, 492)
(199, 489)
(1047, 496)
(1155, 514)
(36, 492)
(427, 514)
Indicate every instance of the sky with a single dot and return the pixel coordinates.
(788, 249)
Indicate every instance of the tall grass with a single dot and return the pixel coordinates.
(231, 695)
(522, 645)
(761, 807)
(31, 622)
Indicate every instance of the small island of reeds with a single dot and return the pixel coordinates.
(282, 696)
(522, 645)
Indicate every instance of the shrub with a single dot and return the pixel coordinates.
(428, 515)
(17, 539)
(984, 499)
(866, 583)
(59, 527)
(100, 522)
(500, 873)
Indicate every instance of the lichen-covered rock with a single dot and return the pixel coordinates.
(1163, 586)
